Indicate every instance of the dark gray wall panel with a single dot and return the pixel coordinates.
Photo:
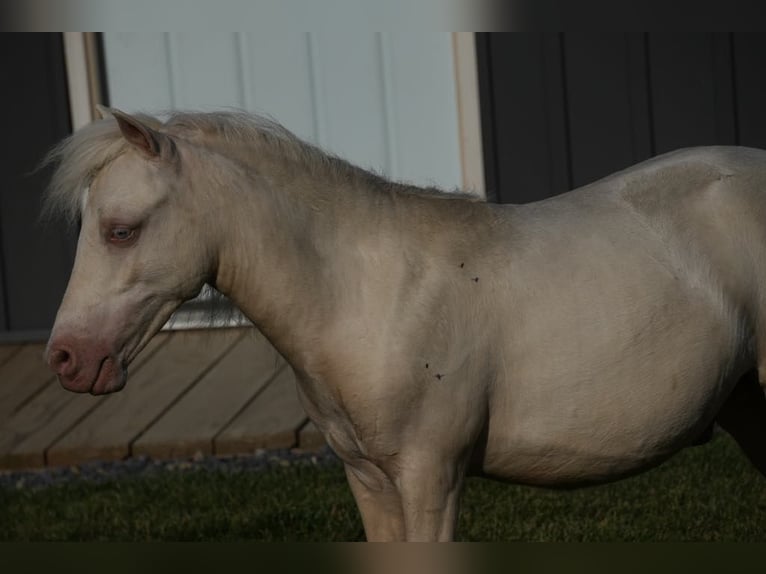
(608, 117)
(688, 101)
(564, 110)
(34, 113)
(527, 103)
(750, 87)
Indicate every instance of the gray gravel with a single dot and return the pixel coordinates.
(142, 466)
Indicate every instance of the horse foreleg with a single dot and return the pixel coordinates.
(743, 416)
(430, 493)
(379, 504)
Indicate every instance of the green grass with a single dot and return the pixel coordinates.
(704, 494)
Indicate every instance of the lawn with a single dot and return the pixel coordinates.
(706, 493)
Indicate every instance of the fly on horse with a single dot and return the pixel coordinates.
(572, 341)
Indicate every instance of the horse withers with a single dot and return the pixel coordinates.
(572, 341)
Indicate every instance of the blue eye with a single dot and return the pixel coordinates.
(121, 234)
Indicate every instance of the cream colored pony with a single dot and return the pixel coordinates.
(572, 341)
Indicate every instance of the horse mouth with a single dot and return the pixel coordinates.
(110, 378)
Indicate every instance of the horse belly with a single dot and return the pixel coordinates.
(585, 406)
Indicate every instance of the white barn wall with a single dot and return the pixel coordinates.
(385, 101)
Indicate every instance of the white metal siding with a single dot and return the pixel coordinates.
(385, 101)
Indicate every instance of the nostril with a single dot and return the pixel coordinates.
(61, 361)
(61, 357)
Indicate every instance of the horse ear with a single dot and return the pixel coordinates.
(150, 142)
(103, 112)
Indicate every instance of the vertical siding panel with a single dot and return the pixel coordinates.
(561, 126)
(352, 97)
(684, 101)
(138, 74)
(277, 79)
(530, 132)
(382, 101)
(423, 98)
(205, 70)
(599, 100)
(36, 257)
(172, 64)
(750, 86)
(317, 90)
(3, 299)
(724, 90)
(638, 93)
(244, 81)
(389, 106)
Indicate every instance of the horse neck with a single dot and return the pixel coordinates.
(289, 253)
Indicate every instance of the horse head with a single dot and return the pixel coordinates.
(137, 259)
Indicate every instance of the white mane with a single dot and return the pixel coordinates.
(234, 133)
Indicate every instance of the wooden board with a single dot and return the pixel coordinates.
(22, 376)
(271, 420)
(6, 352)
(110, 430)
(29, 431)
(190, 426)
(25, 434)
